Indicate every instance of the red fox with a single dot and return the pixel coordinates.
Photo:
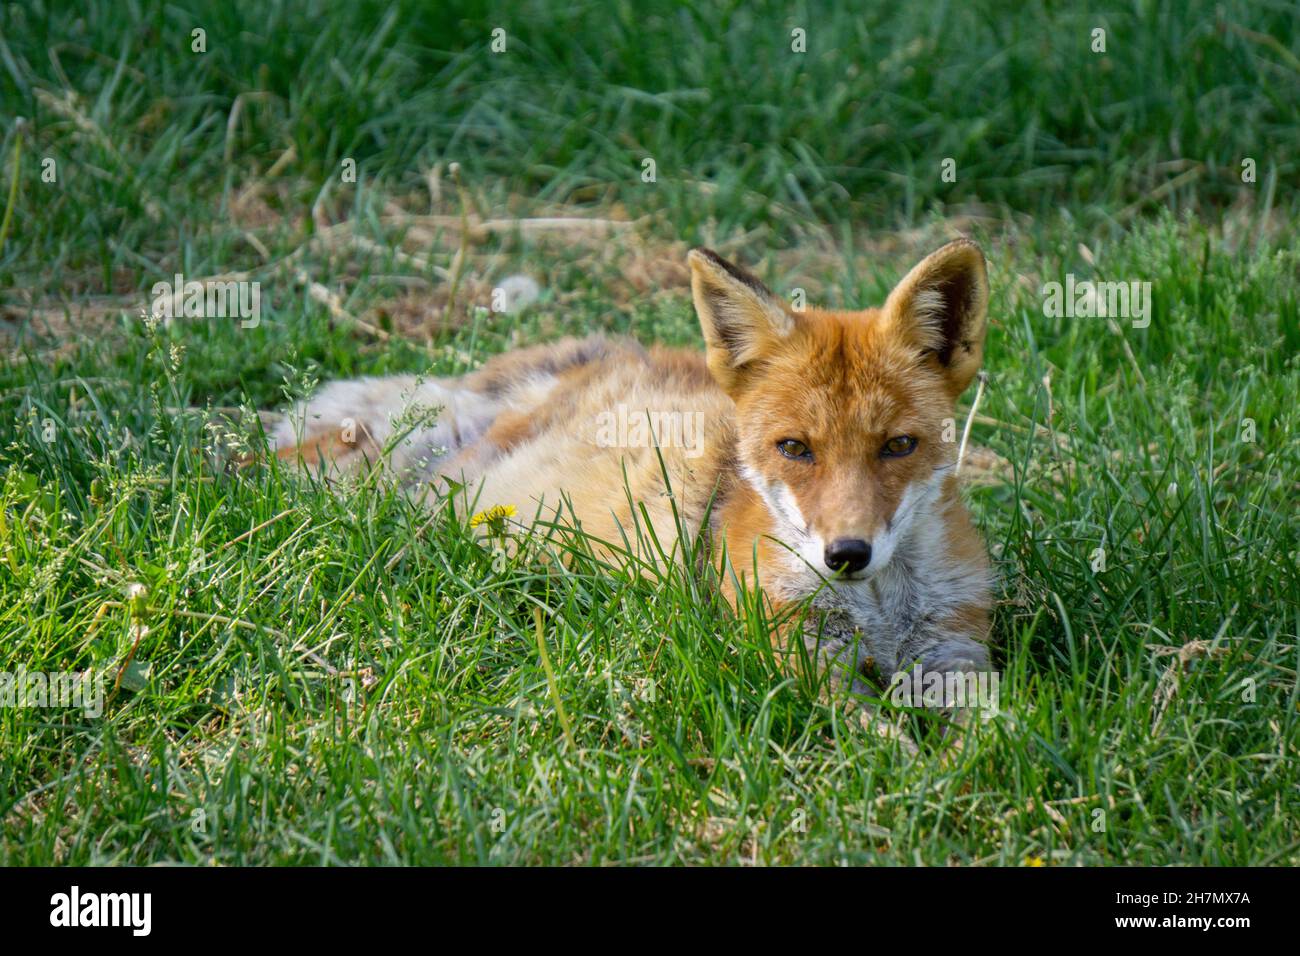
(807, 446)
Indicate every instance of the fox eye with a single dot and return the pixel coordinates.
(793, 449)
(898, 446)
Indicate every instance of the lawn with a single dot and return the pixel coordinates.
(300, 673)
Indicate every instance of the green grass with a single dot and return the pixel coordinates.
(330, 677)
(855, 129)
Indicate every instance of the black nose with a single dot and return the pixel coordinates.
(848, 555)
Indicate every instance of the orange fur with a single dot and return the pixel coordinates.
(532, 429)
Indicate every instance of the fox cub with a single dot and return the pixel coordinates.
(813, 457)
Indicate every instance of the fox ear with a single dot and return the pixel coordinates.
(942, 306)
(741, 319)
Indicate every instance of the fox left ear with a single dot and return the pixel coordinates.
(942, 305)
(741, 319)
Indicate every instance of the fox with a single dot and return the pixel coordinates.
(820, 476)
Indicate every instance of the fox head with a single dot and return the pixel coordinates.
(844, 418)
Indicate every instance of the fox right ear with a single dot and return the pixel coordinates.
(740, 317)
(942, 306)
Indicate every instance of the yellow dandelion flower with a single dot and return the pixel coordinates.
(1034, 861)
(493, 517)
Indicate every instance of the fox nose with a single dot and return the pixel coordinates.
(848, 555)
